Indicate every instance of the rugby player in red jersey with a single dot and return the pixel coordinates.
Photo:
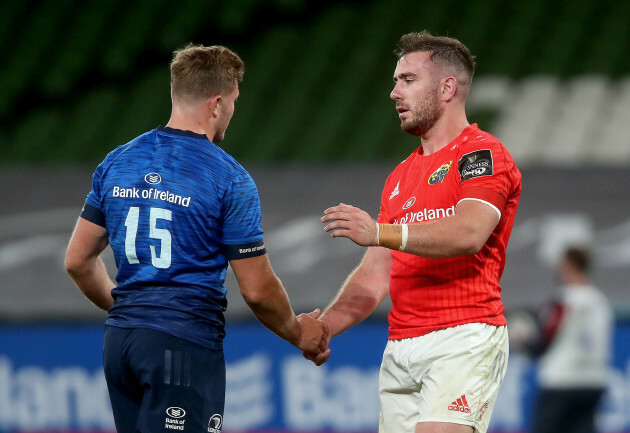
(438, 248)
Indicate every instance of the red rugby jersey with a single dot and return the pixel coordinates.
(431, 294)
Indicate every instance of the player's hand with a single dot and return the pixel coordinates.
(352, 223)
(317, 358)
(314, 335)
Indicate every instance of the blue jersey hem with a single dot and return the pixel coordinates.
(217, 345)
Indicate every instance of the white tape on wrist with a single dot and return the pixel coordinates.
(378, 235)
(405, 236)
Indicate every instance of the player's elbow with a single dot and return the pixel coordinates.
(75, 265)
(72, 265)
(259, 302)
(256, 295)
(473, 246)
(468, 245)
(253, 298)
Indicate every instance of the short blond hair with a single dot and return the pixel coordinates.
(199, 72)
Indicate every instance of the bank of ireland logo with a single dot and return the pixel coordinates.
(176, 412)
(214, 424)
(439, 174)
(409, 203)
(153, 178)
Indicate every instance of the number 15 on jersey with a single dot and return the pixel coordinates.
(163, 261)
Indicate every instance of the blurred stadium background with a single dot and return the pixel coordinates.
(315, 126)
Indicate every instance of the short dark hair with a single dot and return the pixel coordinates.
(444, 50)
(578, 257)
(200, 72)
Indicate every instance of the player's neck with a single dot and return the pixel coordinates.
(445, 130)
(190, 120)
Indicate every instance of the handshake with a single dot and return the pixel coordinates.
(313, 338)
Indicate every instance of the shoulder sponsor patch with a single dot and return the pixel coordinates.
(476, 164)
(245, 251)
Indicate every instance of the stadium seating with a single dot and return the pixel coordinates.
(90, 76)
(80, 48)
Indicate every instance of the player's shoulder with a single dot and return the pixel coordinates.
(120, 151)
(222, 165)
(225, 166)
(482, 143)
(228, 160)
(479, 139)
(130, 145)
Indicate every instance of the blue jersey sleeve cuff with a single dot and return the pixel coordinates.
(93, 214)
(244, 251)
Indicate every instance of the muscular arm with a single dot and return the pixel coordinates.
(84, 265)
(264, 294)
(461, 234)
(364, 289)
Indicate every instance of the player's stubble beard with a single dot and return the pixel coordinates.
(218, 137)
(424, 115)
(222, 125)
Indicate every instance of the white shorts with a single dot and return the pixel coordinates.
(451, 375)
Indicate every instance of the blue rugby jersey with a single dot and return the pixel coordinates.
(176, 208)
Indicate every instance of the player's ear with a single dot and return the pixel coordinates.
(448, 88)
(213, 105)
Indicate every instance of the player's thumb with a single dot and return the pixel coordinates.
(315, 313)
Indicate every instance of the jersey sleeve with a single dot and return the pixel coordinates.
(242, 232)
(485, 170)
(92, 209)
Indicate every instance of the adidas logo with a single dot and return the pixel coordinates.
(460, 405)
(395, 192)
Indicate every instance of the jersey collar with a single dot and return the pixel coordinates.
(463, 136)
(181, 132)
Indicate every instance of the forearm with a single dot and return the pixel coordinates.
(94, 282)
(350, 307)
(461, 234)
(444, 238)
(272, 308)
(362, 292)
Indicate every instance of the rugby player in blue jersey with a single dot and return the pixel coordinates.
(176, 209)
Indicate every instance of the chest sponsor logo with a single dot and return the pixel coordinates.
(409, 203)
(476, 164)
(153, 178)
(439, 174)
(425, 215)
(150, 194)
(395, 192)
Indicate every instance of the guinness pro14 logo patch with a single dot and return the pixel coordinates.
(476, 164)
